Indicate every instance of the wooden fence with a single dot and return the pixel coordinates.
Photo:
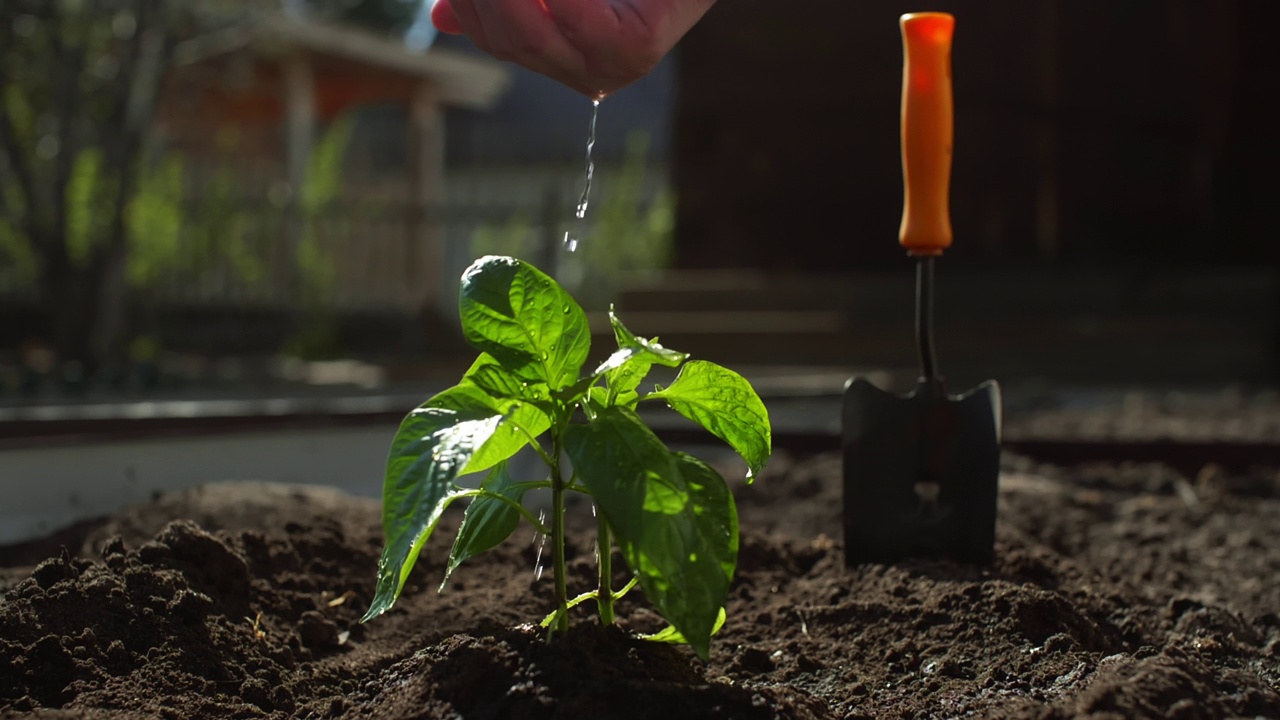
(349, 255)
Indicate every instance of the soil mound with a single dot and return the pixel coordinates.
(1117, 592)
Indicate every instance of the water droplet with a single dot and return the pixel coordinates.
(580, 212)
(542, 543)
(585, 199)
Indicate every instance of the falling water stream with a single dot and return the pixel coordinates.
(541, 541)
(571, 241)
(571, 237)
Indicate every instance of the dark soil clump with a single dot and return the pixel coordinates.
(1118, 592)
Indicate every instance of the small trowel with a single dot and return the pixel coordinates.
(920, 471)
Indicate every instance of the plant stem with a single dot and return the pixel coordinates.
(533, 443)
(604, 548)
(557, 536)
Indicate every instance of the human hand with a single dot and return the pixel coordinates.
(593, 46)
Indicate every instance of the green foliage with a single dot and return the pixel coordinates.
(672, 515)
(17, 261)
(517, 314)
(631, 231)
(720, 400)
(514, 237)
(175, 233)
(323, 183)
(81, 82)
(159, 233)
(489, 520)
(638, 229)
(75, 106)
(86, 203)
(317, 274)
(634, 223)
(215, 230)
(155, 220)
(385, 16)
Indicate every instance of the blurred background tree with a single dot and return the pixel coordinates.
(89, 201)
(79, 80)
(393, 17)
(627, 241)
(630, 240)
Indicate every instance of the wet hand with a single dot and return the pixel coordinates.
(593, 46)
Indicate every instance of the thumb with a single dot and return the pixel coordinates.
(443, 17)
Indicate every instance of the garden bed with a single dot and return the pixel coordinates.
(1118, 591)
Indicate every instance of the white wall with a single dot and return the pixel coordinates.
(42, 489)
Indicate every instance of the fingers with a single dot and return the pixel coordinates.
(516, 30)
(464, 11)
(523, 32)
(645, 29)
(443, 17)
(622, 38)
(593, 46)
(536, 42)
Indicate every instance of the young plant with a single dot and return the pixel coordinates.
(671, 515)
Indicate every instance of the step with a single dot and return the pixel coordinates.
(966, 292)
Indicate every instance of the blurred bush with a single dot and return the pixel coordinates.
(625, 238)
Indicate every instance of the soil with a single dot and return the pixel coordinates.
(1118, 592)
(1234, 414)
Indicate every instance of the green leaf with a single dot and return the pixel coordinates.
(627, 367)
(671, 635)
(430, 449)
(657, 353)
(672, 515)
(597, 399)
(528, 418)
(639, 355)
(525, 407)
(500, 383)
(723, 402)
(521, 317)
(506, 438)
(623, 382)
(488, 520)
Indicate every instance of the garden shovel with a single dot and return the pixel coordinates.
(920, 471)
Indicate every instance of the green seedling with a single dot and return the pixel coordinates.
(670, 515)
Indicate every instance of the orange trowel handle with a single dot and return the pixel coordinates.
(926, 131)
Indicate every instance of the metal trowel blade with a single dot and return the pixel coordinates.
(920, 473)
